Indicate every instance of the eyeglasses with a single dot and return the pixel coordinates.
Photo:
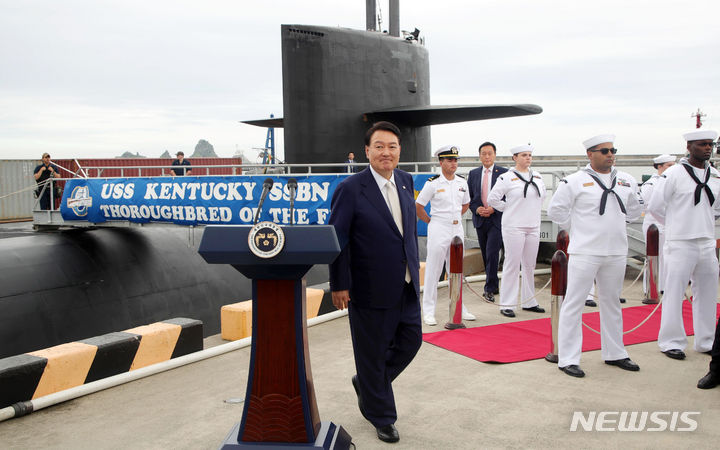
(605, 151)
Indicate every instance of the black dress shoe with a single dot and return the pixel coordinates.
(590, 302)
(507, 312)
(489, 297)
(622, 300)
(675, 353)
(709, 381)
(625, 364)
(573, 371)
(496, 291)
(388, 433)
(356, 385)
(535, 308)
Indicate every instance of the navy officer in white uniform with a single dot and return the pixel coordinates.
(595, 203)
(449, 198)
(687, 199)
(519, 194)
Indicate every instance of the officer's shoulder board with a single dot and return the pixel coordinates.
(434, 177)
(459, 176)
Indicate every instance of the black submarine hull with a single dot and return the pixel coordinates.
(58, 287)
(332, 75)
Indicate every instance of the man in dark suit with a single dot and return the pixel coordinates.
(486, 220)
(352, 166)
(376, 275)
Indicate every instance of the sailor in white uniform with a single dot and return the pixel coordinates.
(687, 199)
(449, 198)
(519, 194)
(594, 203)
(661, 164)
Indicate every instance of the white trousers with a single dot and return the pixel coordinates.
(689, 259)
(440, 235)
(609, 271)
(521, 248)
(661, 258)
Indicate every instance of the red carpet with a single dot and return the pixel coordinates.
(530, 339)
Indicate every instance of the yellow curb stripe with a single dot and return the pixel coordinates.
(236, 320)
(313, 300)
(156, 345)
(67, 367)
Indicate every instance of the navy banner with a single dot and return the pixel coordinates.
(201, 200)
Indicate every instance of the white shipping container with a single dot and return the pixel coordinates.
(16, 188)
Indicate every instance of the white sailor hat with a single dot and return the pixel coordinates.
(522, 148)
(662, 159)
(449, 151)
(698, 135)
(599, 139)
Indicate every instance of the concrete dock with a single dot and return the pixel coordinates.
(444, 400)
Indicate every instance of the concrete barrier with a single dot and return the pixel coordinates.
(39, 373)
(236, 318)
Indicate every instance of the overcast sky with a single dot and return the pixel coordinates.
(95, 78)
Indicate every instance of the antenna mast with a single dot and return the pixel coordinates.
(698, 115)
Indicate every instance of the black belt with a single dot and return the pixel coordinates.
(606, 192)
(527, 184)
(700, 186)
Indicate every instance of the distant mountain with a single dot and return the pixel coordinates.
(204, 149)
(166, 155)
(131, 155)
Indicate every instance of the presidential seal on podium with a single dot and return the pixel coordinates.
(266, 239)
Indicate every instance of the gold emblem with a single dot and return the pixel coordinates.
(266, 239)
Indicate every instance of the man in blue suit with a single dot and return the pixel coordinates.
(376, 275)
(486, 220)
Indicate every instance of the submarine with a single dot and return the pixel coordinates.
(64, 285)
(337, 82)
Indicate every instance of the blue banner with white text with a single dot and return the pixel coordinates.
(229, 200)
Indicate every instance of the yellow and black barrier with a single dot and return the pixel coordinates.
(39, 373)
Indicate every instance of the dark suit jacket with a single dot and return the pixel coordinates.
(352, 166)
(475, 184)
(374, 254)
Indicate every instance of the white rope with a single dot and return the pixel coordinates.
(467, 284)
(29, 188)
(642, 269)
(536, 293)
(634, 328)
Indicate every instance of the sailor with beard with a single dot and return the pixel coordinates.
(687, 200)
(594, 205)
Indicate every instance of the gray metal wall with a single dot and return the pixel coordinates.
(16, 175)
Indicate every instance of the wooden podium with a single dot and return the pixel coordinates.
(280, 409)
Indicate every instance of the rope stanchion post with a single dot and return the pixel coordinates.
(562, 241)
(557, 295)
(455, 284)
(652, 240)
